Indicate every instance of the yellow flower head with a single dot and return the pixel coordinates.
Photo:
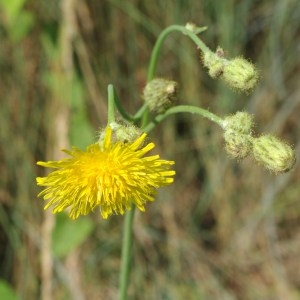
(111, 176)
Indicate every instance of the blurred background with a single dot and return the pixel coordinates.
(226, 229)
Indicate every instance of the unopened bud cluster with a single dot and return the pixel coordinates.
(274, 154)
(238, 134)
(238, 73)
(215, 63)
(237, 145)
(241, 122)
(160, 94)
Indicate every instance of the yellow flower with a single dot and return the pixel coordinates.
(111, 176)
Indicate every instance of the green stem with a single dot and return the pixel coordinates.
(126, 115)
(113, 97)
(139, 114)
(157, 47)
(126, 254)
(111, 104)
(143, 114)
(184, 109)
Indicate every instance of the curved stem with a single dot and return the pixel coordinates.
(121, 110)
(143, 114)
(139, 114)
(113, 96)
(126, 254)
(157, 47)
(184, 109)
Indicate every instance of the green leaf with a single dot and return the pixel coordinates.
(69, 234)
(6, 291)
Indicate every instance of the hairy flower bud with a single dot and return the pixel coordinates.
(274, 154)
(240, 122)
(240, 74)
(237, 145)
(121, 133)
(160, 94)
(214, 62)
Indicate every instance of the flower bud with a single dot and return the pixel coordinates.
(191, 26)
(160, 94)
(121, 133)
(237, 145)
(240, 122)
(240, 74)
(274, 154)
(214, 62)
